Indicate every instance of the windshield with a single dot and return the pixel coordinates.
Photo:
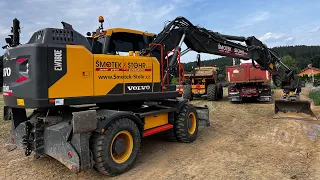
(122, 43)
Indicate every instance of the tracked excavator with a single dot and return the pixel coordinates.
(123, 98)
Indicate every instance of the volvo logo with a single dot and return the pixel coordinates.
(138, 88)
(6, 72)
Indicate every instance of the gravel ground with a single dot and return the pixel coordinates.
(243, 142)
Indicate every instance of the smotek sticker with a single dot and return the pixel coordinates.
(119, 66)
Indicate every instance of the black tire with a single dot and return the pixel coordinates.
(220, 92)
(102, 144)
(169, 135)
(187, 92)
(183, 131)
(212, 92)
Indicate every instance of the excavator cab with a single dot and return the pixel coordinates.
(114, 41)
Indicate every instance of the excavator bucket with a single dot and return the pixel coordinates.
(297, 109)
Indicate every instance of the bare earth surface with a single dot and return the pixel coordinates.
(243, 142)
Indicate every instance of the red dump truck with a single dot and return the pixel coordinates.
(248, 82)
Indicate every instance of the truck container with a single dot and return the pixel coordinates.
(248, 82)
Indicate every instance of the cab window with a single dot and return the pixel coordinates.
(122, 42)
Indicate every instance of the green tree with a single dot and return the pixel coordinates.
(174, 81)
(303, 62)
(316, 61)
(221, 77)
(290, 62)
(317, 77)
(305, 77)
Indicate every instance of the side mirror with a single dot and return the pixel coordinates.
(198, 60)
(88, 34)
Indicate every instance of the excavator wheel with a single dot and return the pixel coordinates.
(115, 150)
(212, 92)
(186, 124)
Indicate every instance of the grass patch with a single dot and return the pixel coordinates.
(315, 96)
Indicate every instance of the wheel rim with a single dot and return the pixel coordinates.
(192, 123)
(121, 147)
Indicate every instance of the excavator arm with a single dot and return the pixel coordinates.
(201, 40)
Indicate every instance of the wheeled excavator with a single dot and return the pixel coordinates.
(123, 98)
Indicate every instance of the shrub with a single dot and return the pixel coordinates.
(174, 81)
(272, 86)
(315, 96)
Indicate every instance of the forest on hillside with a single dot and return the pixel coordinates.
(296, 57)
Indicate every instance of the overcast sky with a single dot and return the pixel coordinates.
(274, 22)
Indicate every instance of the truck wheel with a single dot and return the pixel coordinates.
(187, 93)
(115, 150)
(212, 92)
(187, 123)
(220, 92)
